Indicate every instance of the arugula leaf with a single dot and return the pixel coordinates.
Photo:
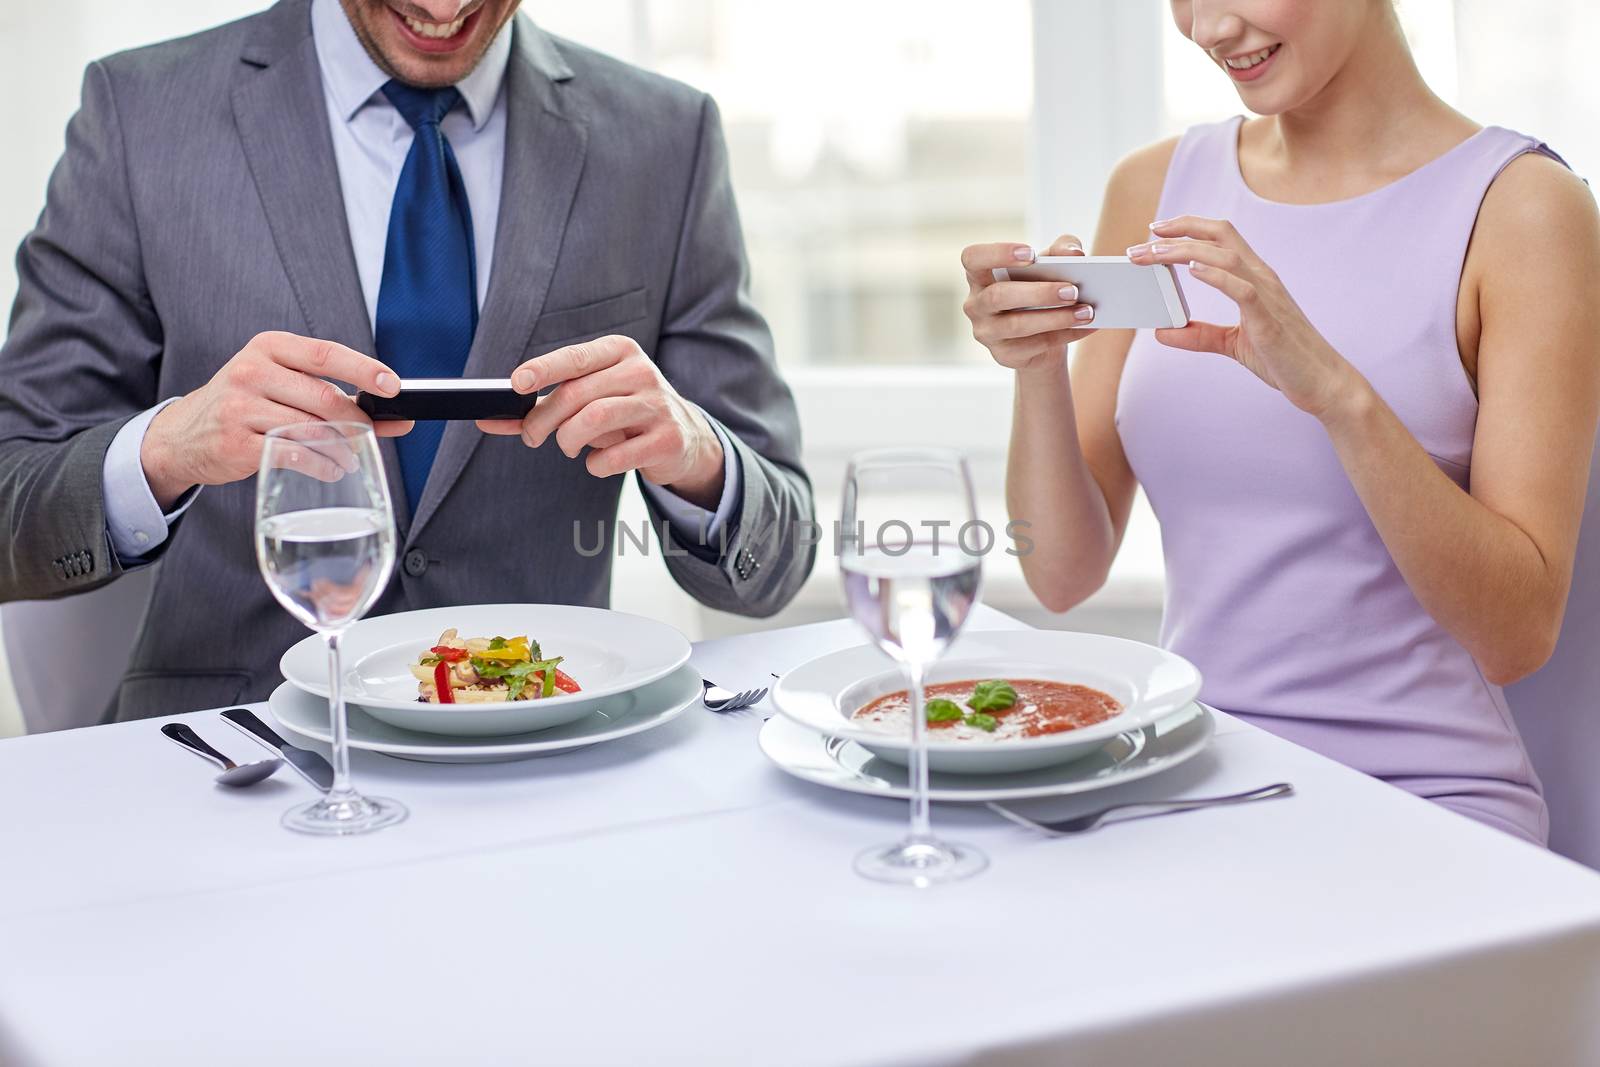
(941, 710)
(993, 695)
(516, 682)
(982, 721)
(496, 643)
(516, 675)
(517, 678)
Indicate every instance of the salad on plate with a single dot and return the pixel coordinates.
(488, 670)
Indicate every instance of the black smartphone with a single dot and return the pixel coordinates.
(447, 399)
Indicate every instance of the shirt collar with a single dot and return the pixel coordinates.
(352, 79)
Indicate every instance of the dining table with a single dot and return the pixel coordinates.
(673, 898)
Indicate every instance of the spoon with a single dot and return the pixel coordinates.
(233, 774)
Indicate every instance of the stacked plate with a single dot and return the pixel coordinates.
(633, 671)
(1158, 725)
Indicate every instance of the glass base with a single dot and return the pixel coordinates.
(349, 814)
(920, 863)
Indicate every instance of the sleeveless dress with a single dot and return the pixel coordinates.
(1278, 586)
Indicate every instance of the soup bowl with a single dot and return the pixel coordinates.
(1147, 683)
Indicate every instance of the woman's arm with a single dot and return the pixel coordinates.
(1492, 565)
(1066, 474)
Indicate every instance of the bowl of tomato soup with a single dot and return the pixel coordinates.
(998, 702)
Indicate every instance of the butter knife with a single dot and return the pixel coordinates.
(312, 767)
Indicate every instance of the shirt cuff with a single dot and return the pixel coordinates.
(694, 524)
(134, 520)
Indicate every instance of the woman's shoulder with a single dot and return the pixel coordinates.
(1536, 193)
(1144, 170)
(1139, 177)
(1133, 194)
(1535, 209)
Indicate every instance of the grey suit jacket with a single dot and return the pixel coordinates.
(198, 203)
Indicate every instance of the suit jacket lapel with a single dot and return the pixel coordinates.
(545, 145)
(282, 117)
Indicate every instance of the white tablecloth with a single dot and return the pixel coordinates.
(672, 899)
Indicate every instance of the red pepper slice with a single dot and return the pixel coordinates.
(448, 654)
(565, 683)
(441, 682)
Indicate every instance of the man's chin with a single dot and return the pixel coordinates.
(427, 71)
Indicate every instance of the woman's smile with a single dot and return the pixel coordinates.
(1249, 66)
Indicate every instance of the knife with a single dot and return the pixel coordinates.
(312, 767)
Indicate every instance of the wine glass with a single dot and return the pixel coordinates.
(911, 580)
(325, 543)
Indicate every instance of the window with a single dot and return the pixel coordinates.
(865, 150)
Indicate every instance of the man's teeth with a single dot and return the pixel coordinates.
(438, 30)
(1246, 62)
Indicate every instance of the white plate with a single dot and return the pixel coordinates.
(1149, 682)
(840, 764)
(306, 717)
(607, 652)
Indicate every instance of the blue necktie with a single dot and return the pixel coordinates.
(428, 299)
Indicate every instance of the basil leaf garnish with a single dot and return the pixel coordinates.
(993, 695)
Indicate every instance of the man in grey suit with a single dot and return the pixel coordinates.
(232, 225)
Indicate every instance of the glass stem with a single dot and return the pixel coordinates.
(921, 825)
(341, 734)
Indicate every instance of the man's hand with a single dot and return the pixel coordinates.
(213, 435)
(612, 400)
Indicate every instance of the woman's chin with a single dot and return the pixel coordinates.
(1266, 102)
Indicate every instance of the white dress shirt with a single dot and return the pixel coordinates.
(370, 144)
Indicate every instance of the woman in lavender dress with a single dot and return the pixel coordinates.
(1370, 487)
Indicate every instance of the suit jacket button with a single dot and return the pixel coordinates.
(416, 562)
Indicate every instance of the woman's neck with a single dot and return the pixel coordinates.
(1376, 115)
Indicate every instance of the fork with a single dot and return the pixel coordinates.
(1079, 824)
(723, 700)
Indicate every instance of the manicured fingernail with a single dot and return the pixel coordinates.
(1069, 293)
(1084, 314)
(1160, 250)
(1138, 250)
(386, 383)
(522, 381)
(1074, 247)
(1197, 266)
(1024, 253)
(1160, 224)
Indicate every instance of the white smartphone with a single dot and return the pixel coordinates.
(1125, 295)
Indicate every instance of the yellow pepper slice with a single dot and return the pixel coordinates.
(516, 650)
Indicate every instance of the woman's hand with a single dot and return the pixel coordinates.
(1274, 339)
(1018, 322)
